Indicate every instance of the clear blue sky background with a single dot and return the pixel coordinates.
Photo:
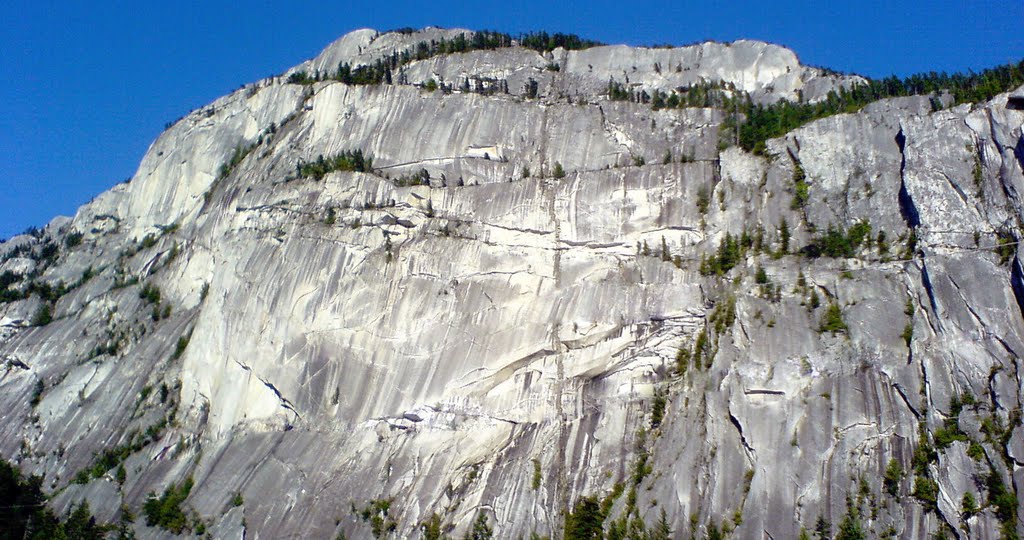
(85, 87)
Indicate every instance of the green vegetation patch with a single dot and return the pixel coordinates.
(765, 122)
(349, 160)
(165, 511)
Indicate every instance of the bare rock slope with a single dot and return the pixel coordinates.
(505, 315)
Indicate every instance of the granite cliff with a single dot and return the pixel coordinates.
(360, 308)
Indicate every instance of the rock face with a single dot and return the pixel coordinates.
(505, 341)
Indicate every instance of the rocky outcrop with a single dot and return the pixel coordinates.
(503, 336)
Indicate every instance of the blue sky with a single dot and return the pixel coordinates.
(85, 87)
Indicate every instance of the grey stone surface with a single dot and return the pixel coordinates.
(433, 341)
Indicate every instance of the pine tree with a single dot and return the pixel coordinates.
(432, 528)
(783, 237)
(892, 478)
(662, 531)
(481, 530)
(823, 529)
(969, 504)
(81, 524)
(850, 528)
(713, 532)
(585, 521)
(832, 320)
(761, 276)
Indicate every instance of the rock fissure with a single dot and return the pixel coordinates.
(751, 453)
(284, 401)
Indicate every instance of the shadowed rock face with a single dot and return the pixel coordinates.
(496, 341)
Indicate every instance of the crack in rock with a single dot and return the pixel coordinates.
(284, 401)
